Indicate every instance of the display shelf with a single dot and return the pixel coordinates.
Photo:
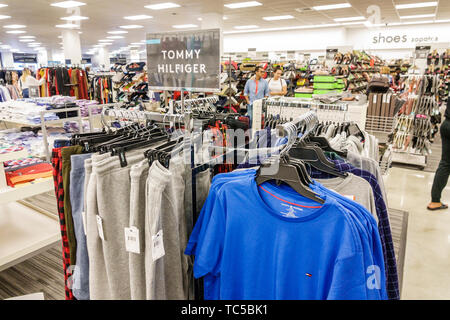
(13, 155)
(19, 193)
(412, 159)
(25, 233)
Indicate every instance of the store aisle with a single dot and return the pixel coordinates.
(427, 260)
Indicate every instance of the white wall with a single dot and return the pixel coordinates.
(391, 42)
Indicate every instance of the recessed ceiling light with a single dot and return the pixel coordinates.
(273, 18)
(350, 19)
(285, 28)
(138, 17)
(68, 4)
(4, 17)
(26, 40)
(39, 49)
(200, 19)
(416, 5)
(138, 43)
(118, 32)
(417, 22)
(246, 27)
(184, 26)
(133, 47)
(225, 18)
(79, 32)
(15, 26)
(243, 4)
(67, 26)
(3, 5)
(106, 40)
(115, 37)
(417, 16)
(332, 6)
(27, 37)
(74, 18)
(16, 31)
(161, 6)
(131, 26)
(5, 46)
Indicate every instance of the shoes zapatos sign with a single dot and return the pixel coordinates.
(184, 61)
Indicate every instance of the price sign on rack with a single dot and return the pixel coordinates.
(184, 61)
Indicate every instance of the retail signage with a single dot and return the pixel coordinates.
(68, 62)
(331, 53)
(86, 61)
(291, 55)
(422, 52)
(25, 57)
(187, 60)
(120, 60)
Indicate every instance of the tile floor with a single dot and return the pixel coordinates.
(427, 260)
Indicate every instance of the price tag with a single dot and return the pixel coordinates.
(100, 228)
(158, 246)
(83, 216)
(132, 240)
(353, 198)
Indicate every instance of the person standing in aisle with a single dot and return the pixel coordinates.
(443, 171)
(27, 81)
(256, 88)
(277, 86)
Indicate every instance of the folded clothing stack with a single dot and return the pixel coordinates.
(21, 163)
(29, 174)
(84, 107)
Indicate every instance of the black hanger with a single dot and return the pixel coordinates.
(289, 174)
(323, 143)
(315, 157)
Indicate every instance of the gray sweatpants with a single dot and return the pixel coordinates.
(112, 195)
(165, 277)
(139, 174)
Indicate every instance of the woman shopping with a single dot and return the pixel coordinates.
(277, 86)
(27, 81)
(443, 171)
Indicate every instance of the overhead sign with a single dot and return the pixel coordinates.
(331, 53)
(184, 61)
(24, 57)
(119, 60)
(422, 52)
(86, 61)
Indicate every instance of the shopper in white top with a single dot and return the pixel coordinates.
(27, 81)
(277, 86)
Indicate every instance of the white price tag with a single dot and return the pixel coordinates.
(353, 198)
(83, 216)
(100, 228)
(158, 246)
(132, 240)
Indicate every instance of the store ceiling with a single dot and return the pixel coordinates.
(107, 15)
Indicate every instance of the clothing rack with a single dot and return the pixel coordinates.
(195, 102)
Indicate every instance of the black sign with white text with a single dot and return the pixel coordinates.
(24, 57)
(184, 61)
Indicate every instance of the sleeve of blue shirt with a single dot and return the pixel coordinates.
(247, 88)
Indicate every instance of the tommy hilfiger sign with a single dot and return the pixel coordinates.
(184, 60)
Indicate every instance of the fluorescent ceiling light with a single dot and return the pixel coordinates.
(39, 49)
(352, 23)
(5, 46)
(285, 28)
(138, 43)
(161, 6)
(3, 5)
(131, 26)
(133, 47)
(200, 19)
(416, 5)
(4, 17)
(243, 4)
(417, 16)
(67, 26)
(417, 22)
(278, 18)
(246, 27)
(118, 32)
(28, 37)
(68, 4)
(115, 37)
(332, 6)
(26, 40)
(442, 21)
(16, 31)
(74, 18)
(184, 26)
(106, 40)
(15, 50)
(225, 18)
(138, 17)
(15, 26)
(79, 32)
(350, 19)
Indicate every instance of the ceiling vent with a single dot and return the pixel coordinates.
(303, 10)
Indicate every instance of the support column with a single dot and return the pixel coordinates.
(42, 58)
(103, 58)
(7, 58)
(72, 46)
